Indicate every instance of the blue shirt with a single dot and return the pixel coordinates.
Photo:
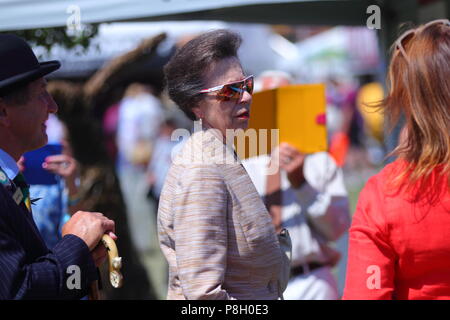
(50, 210)
(8, 165)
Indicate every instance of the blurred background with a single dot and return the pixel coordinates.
(119, 120)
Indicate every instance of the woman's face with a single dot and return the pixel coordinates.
(222, 115)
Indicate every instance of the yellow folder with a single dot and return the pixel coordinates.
(298, 111)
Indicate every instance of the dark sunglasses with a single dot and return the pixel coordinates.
(233, 90)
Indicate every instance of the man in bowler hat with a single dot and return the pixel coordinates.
(28, 269)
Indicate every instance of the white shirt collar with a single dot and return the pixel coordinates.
(8, 165)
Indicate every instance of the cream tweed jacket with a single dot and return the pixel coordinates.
(213, 227)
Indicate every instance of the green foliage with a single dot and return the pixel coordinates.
(48, 37)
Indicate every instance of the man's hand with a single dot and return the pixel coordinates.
(291, 160)
(21, 164)
(62, 165)
(90, 227)
(66, 167)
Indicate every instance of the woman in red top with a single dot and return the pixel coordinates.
(399, 245)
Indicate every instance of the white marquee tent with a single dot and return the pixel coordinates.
(30, 14)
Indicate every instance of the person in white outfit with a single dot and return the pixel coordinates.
(314, 208)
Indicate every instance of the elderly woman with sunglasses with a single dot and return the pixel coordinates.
(214, 229)
(399, 247)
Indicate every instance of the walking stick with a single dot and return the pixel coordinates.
(115, 264)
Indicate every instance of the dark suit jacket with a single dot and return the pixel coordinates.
(28, 269)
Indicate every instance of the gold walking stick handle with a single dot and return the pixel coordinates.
(115, 262)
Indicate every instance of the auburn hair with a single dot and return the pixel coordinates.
(419, 89)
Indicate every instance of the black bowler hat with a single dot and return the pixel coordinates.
(19, 65)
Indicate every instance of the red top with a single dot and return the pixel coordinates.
(399, 249)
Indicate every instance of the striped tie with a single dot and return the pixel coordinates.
(20, 182)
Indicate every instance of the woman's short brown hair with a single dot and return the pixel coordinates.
(185, 71)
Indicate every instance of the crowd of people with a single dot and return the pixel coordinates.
(209, 225)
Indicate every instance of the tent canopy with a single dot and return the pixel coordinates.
(26, 14)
